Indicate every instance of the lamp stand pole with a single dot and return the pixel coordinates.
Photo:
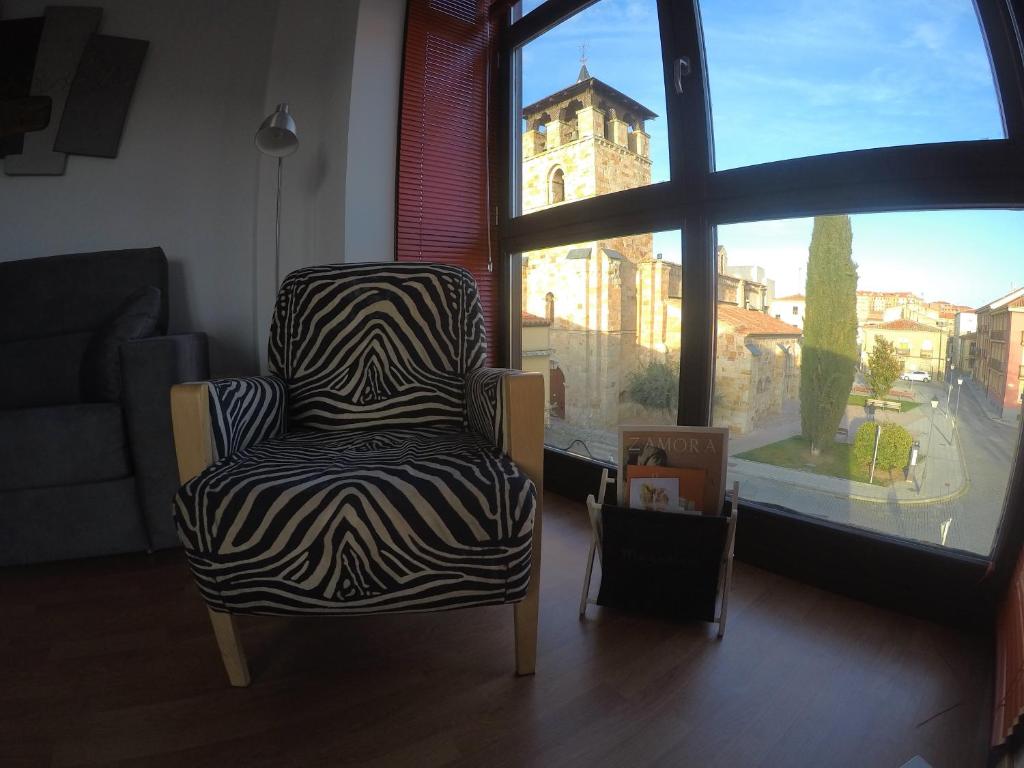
(277, 228)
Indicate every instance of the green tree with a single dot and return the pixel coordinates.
(830, 330)
(655, 385)
(884, 367)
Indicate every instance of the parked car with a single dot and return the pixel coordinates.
(916, 376)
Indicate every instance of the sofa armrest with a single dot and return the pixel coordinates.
(214, 419)
(149, 368)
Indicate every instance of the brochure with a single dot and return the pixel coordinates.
(673, 468)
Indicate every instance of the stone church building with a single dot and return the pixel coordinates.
(612, 306)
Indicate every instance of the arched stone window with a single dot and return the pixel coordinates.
(549, 307)
(570, 120)
(556, 186)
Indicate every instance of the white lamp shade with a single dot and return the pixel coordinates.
(277, 136)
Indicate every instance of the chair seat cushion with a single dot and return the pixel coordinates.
(317, 522)
(62, 445)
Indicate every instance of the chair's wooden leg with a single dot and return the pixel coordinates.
(526, 613)
(231, 651)
(528, 609)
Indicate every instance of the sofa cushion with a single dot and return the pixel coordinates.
(70, 521)
(359, 522)
(136, 318)
(62, 445)
(42, 371)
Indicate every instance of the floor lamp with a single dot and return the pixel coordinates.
(277, 138)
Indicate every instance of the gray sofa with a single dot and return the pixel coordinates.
(82, 478)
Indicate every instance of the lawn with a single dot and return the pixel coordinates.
(794, 453)
(861, 400)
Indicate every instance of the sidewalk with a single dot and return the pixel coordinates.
(984, 404)
(940, 476)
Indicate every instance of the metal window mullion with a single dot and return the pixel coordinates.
(692, 147)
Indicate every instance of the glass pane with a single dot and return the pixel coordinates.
(602, 322)
(902, 326)
(593, 106)
(523, 7)
(796, 79)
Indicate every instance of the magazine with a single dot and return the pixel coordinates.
(673, 468)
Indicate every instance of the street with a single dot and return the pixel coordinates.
(966, 521)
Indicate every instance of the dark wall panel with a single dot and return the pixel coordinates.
(19, 43)
(66, 32)
(97, 104)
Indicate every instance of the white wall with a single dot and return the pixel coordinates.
(311, 70)
(188, 177)
(373, 131)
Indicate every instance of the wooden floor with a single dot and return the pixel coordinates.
(112, 661)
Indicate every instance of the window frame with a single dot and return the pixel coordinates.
(696, 199)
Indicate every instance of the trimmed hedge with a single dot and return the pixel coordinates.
(893, 445)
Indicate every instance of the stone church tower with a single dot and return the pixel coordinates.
(608, 301)
(585, 140)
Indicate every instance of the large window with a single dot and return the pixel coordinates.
(940, 475)
(794, 79)
(751, 149)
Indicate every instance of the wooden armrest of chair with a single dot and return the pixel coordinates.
(213, 419)
(524, 423)
(193, 445)
(523, 419)
(193, 433)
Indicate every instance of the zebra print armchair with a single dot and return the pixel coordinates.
(379, 467)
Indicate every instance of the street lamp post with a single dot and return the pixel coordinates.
(949, 394)
(956, 410)
(915, 452)
(931, 430)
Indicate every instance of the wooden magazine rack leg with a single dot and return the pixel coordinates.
(594, 512)
(730, 545)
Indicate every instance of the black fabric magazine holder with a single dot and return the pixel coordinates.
(676, 565)
(665, 563)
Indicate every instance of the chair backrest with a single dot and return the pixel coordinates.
(377, 345)
(49, 309)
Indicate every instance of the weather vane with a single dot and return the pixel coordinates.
(583, 53)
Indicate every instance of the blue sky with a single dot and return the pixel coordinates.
(799, 77)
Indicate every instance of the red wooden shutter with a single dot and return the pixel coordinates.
(443, 212)
(1009, 699)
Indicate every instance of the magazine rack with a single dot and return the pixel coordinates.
(684, 524)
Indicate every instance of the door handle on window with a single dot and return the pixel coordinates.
(681, 71)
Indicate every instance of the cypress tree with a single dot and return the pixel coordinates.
(830, 330)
